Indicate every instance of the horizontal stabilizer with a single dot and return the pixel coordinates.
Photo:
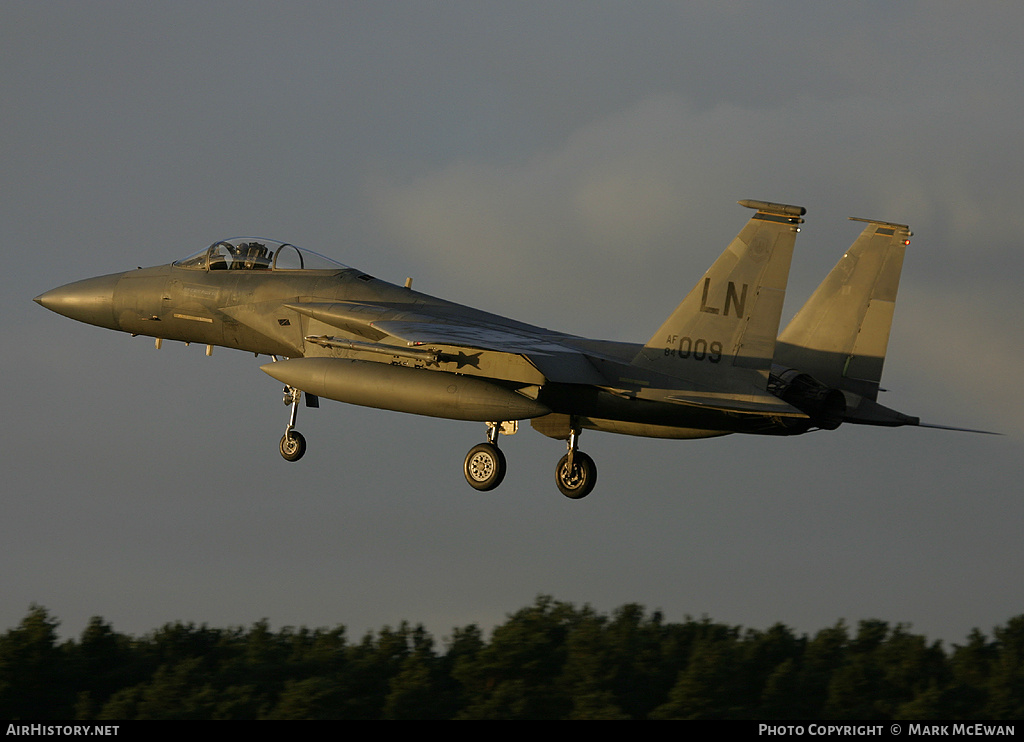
(863, 411)
(961, 430)
(775, 408)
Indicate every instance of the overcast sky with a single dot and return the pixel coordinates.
(572, 164)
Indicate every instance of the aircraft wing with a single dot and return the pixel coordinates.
(501, 339)
(546, 350)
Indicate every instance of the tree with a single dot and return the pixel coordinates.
(515, 676)
(34, 680)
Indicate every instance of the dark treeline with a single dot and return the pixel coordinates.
(550, 660)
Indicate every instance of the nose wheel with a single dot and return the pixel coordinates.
(293, 444)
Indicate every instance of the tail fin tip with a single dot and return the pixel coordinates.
(773, 208)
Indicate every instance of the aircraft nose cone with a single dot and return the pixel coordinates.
(90, 301)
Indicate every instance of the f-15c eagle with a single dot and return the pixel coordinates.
(717, 365)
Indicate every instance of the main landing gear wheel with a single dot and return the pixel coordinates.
(484, 467)
(578, 481)
(293, 445)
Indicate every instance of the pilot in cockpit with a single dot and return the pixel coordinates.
(250, 256)
(217, 260)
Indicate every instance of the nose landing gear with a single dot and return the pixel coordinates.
(293, 444)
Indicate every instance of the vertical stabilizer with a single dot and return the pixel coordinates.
(723, 333)
(840, 335)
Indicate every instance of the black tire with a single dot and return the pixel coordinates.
(293, 445)
(579, 482)
(484, 467)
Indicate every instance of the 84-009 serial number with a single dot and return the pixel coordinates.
(698, 349)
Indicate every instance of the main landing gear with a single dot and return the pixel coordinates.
(293, 444)
(575, 475)
(485, 464)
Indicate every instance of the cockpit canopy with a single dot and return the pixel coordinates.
(257, 254)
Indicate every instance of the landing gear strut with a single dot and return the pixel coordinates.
(293, 445)
(576, 473)
(485, 463)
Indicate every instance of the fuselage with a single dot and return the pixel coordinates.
(559, 379)
(716, 365)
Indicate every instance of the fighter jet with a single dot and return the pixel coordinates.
(714, 367)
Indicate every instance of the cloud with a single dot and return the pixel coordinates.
(647, 196)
